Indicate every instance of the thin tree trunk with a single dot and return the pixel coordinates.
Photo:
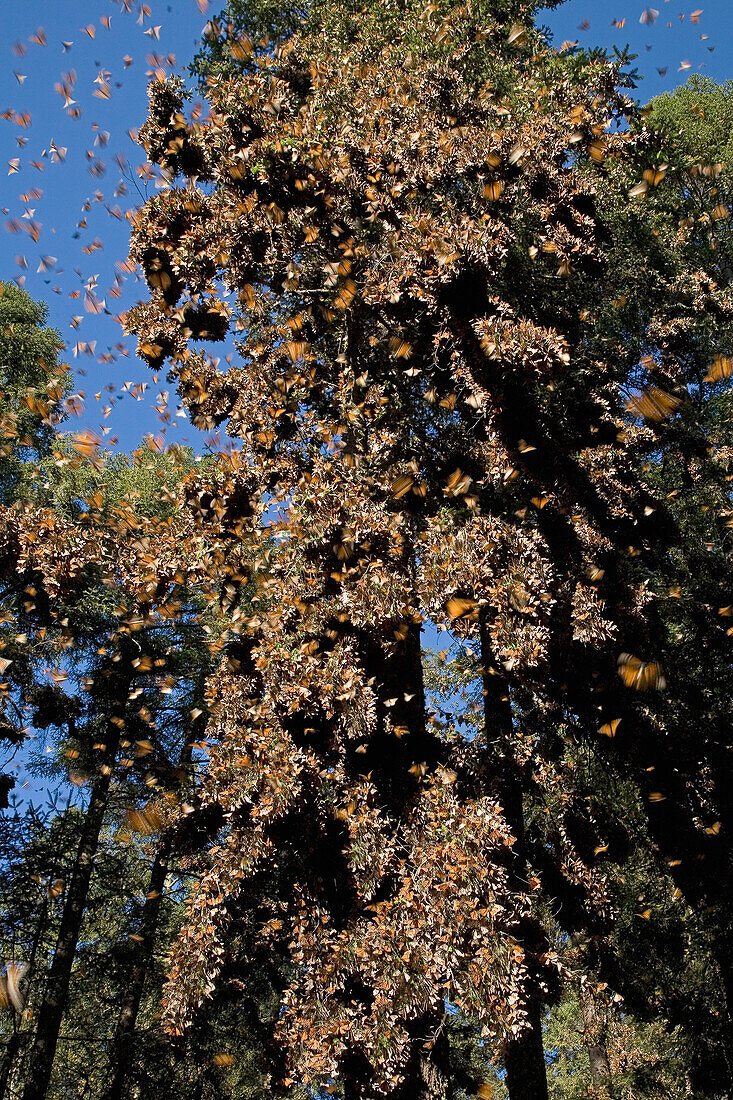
(595, 1030)
(389, 760)
(428, 1072)
(121, 1055)
(57, 983)
(11, 1053)
(524, 1058)
(120, 1058)
(17, 1039)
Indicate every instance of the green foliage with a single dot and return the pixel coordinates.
(145, 483)
(222, 1059)
(698, 116)
(645, 1059)
(33, 384)
(245, 30)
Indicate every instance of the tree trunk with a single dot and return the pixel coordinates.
(57, 983)
(428, 1074)
(18, 1038)
(432, 1077)
(524, 1059)
(389, 761)
(120, 1058)
(121, 1054)
(595, 1030)
(11, 1053)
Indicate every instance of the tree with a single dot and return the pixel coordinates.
(101, 588)
(121, 624)
(33, 385)
(680, 328)
(221, 1057)
(421, 393)
(35, 853)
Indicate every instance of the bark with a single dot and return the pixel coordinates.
(429, 1073)
(121, 1054)
(524, 1058)
(57, 983)
(11, 1053)
(595, 1029)
(120, 1059)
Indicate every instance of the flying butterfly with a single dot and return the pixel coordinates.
(654, 404)
(641, 675)
(517, 36)
(11, 996)
(721, 367)
(402, 485)
(493, 189)
(145, 821)
(458, 607)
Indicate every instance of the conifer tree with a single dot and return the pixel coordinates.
(121, 630)
(397, 207)
(33, 384)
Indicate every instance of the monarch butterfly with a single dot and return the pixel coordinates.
(458, 606)
(722, 367)
(654, 404)
(493, 189)
(402, 486)
(641, 675)
(145, 821)
(10, 993)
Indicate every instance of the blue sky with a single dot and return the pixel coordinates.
(77, 166)
(679, 41)
(95, 183)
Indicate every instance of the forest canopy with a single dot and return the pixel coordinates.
(481, 307)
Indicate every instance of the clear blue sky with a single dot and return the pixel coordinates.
(106, 70)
